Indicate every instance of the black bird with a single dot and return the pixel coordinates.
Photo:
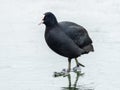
(66, 38)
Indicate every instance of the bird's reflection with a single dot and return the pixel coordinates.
(73, 85)
(70, 85)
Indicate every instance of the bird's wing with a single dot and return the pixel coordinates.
(77, 33)
(59, 42)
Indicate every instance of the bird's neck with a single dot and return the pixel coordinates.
(51, 25)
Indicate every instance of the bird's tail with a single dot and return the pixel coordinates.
(88, 48)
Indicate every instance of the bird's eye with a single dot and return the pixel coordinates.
(46, 17)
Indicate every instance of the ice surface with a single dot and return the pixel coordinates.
(26, 63)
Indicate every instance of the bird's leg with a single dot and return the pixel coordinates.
(69, 64)
(77, 67)
(78, 64)
(64, 72)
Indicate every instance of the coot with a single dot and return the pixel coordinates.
(66, 38)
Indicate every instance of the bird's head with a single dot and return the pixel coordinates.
(49, 19)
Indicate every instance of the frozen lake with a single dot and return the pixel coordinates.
(26, 62)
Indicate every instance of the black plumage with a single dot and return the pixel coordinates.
(66, 38)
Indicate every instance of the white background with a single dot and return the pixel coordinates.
(26, 62)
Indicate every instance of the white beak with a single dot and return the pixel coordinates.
(42, 20)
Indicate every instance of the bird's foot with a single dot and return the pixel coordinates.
(63, 73)
(79, 64)
(77, 69)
